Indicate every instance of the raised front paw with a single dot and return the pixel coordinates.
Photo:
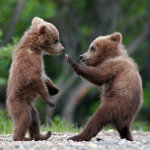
(70, 62)
(53, 91)
(68, 58)
(79, 138)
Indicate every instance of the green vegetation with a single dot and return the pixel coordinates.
(59, 125)
(55, 125)
(6, 125)
(5, 60)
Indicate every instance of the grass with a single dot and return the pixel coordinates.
(141, 126)
(6, 125)
(58, 125)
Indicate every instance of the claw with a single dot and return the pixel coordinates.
(66, 55)
(51, 104)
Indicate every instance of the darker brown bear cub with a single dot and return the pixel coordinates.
(108, 64)
(27, 78)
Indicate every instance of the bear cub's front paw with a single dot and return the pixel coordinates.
(70, 61)
(53, 91)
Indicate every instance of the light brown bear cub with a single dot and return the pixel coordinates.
(108, 64)
(27, 78)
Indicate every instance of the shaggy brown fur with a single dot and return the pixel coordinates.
(27, 78)
(109, 65)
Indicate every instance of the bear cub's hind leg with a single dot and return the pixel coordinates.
(34, 129)
(21, 121)
(125, 133)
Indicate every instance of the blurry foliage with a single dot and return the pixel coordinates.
(140, 125)
(87, 107)
(44, 9)
(146, 104)
(5, 60)
(6, 125)
(6, 12)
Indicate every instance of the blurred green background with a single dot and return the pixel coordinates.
(79, 22)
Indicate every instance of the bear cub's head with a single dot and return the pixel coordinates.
(48, 36)
(102, 48)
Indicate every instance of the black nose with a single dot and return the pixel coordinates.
(81, 57)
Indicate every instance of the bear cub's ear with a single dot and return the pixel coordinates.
(116, 37)
(39, 24)
(36, 21)
(42, 29)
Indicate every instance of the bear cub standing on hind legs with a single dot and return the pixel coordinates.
(27, 78)
(108, 64)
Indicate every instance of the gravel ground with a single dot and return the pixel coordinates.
(109, 141)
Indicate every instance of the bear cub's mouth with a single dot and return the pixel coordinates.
(85, 60)
(60, 53)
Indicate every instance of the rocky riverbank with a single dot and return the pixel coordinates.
(109, 141)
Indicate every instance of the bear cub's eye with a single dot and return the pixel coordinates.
(92, 48)
(56, 41)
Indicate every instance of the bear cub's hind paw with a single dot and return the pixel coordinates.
(79, 138)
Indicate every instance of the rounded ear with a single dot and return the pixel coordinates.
(42, 29)
(116, 37)
(36, 21)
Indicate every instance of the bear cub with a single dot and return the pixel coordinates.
(27, 78)
(107, 63)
